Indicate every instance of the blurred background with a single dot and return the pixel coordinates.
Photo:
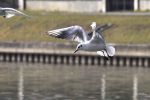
(34, 66)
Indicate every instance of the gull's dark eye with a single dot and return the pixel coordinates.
(80, 46)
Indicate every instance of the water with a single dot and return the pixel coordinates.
(50, 82)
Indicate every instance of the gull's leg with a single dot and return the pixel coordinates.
(107, 54)
(106, 57)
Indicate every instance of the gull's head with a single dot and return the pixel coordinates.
(79, 47)
(93, 25)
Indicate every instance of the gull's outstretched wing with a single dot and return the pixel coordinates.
(10, 12)
(74, 33)
(100, 29)
(104, 27)
(98, 38)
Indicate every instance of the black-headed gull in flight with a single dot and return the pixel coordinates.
(92, 41)
(10, 12)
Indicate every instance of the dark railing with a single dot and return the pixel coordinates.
(75, 59)
(62, 53)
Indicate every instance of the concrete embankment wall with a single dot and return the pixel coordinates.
(144, 5)
(57, 53)
(69, 6)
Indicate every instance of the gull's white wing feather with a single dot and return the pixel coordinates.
(74, 33)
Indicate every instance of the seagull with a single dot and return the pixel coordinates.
(10, 12)
(92, 41)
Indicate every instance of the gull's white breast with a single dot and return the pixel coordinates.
(93, 47)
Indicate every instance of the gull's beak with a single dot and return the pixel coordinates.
(75, 50)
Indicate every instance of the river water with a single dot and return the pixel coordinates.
(20, 81)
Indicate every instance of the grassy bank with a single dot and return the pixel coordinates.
(127, 29)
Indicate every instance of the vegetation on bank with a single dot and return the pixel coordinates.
(126, 29)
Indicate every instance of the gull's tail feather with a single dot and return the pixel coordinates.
(110, 50)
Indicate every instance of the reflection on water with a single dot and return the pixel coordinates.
(103, 86)
(20, 84)
(47, 82)
(135, 87)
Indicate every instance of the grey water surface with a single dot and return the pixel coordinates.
(20, 81)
